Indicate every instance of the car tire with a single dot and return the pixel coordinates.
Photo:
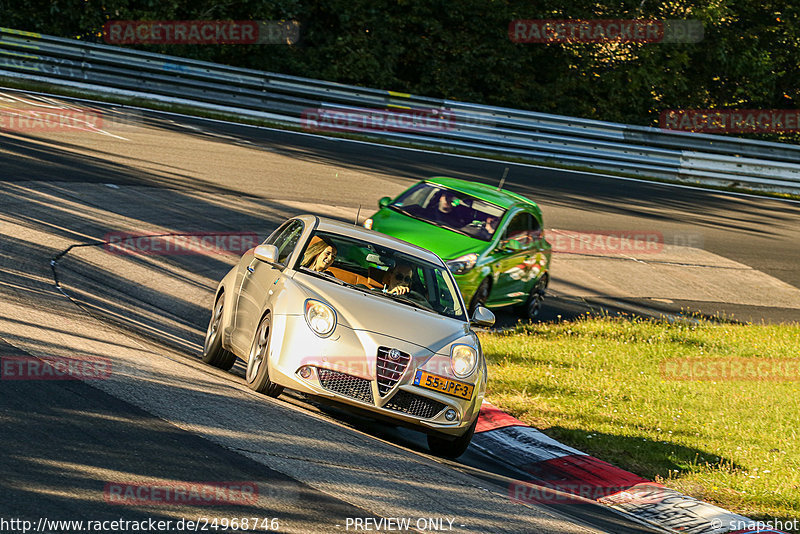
(481, 295)
(533, 305)
(449, 447)
(213, 353)
(257, 375)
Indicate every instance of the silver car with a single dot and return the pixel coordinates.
(356, 317)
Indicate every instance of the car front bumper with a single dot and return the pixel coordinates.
(345, 367)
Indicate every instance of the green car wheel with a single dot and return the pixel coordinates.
(481, 295)
(533, 306)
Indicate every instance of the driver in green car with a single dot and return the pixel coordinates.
(449, 209)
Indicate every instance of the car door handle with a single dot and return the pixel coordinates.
(250, 269)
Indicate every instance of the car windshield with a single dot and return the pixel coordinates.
(382, 271)
(450, 209)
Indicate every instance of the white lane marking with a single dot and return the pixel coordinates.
(38, 101)
(50, 104)
(75, 122)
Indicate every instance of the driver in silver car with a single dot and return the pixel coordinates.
(398, 280)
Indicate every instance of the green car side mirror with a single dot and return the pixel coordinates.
(382, 203)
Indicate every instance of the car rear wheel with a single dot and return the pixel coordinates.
(533, 306)
(257, 366)
(451, 448)
(481, 296)
(213, 353)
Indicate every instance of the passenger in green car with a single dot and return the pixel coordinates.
(487, 230)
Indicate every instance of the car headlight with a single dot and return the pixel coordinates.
(463, 358)
(463, 264)
(320, 317)
(368, 224)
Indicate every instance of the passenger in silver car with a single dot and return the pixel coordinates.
(319, 255)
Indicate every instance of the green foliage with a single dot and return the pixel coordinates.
(461, 50)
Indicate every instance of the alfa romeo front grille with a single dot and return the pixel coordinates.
(415, 405)
(390, 367)
(347, 385)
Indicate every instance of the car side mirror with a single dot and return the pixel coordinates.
(268, 253)
(382, 203)
(482, 317)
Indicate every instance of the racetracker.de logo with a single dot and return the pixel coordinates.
(235, 243)
(726, 369)
(573, 492)
(550, 31)
(385, 120)
(43, 119)
(606, 243)
(183, 493)
(721, 121)
(54, 368)
(201, 32)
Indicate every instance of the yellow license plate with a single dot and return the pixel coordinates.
(462, 390)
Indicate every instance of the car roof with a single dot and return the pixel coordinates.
(502, 197)
(325, 224)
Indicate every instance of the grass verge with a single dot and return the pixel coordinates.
(27, 85)
(603, 385)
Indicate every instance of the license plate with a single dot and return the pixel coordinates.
(444, 385)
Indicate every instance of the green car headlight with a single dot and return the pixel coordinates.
(463, 264)
(463, 358)
(320, 317)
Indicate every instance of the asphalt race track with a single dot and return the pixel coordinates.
(162, 415)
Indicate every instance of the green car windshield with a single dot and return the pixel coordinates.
(450, 209)
(383, 271)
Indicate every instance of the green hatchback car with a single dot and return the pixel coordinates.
(492, 239)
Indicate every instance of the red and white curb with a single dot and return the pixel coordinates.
(558, 472)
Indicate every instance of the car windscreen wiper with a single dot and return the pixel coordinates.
(404, 300)
(416, 304)
(402, 210)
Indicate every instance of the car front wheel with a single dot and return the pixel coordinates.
(213, 353)
(257, 366)
(451, 448)
(480, 297)
(533, 306)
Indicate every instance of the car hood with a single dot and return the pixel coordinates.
(374, 313)
(443, 242)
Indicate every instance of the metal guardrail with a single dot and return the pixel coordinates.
(286, 100)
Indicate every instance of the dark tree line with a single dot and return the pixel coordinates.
(748, 58)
